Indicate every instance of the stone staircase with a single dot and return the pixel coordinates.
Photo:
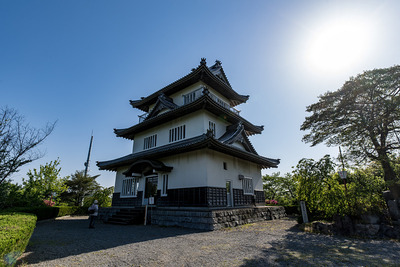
(128, 216)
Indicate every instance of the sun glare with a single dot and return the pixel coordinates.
(338, 45)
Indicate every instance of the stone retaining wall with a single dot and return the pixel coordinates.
(214, 219)
(346, 226)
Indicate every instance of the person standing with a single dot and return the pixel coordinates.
(93, 211)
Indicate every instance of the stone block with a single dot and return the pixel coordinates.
(394, 209)
(370, 219)
(387, 195)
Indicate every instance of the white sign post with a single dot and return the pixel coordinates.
(304, 211)
(151, 200)
(343, 174)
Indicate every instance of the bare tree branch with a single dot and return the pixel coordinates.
(18, 141)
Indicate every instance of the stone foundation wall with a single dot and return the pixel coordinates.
(369, 227)
(213, 219)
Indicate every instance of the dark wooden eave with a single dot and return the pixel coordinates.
(236, 133)
(201, 73)
(163, 102)
(203, 102)
(204, 141)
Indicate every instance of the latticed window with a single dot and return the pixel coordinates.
(129, 187)
(177, 133)
(247, 184)
(211, 127)
(188, 98)
(164, 184)
(150, 141)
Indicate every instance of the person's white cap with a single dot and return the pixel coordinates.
(95, 202)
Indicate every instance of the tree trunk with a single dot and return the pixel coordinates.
(390, 176)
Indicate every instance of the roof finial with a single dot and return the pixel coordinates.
(203, 61)
(218, 62)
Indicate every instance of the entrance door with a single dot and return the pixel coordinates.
(150, 188)
(229, 199)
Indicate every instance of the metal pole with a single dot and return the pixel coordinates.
(88, 156)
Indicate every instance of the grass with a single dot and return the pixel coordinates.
(15, 232)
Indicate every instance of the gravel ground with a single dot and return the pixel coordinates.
(67, 241)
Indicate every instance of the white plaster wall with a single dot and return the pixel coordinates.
(118, 179)
(220, 124)
(194, 127)
(223, 98)
(178, 96)
(217, 175)
(196, 124)
(201, 168)
(190, 170)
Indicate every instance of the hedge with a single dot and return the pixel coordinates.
(16, 230)
(44, 212)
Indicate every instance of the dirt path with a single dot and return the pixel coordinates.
(69, 242)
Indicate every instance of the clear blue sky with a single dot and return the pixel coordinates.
(80, 62)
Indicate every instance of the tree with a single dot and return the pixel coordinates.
(18, 142)
(318, 188)
(44, 184)
(103, 195)
(11, 195)
(323, 190)
(280, 188)
(363, 116)
(79, 187)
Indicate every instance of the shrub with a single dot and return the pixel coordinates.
(271, 202)
(325, 195)
(44, 212)
(16, 230)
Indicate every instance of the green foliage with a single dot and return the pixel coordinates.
(364, 190)
(79, 187)
(44, 212)
(15, 232)
(364, 117)
(103, 195)
(324, 192)
(280, 188)
(44, 184)
(11, 195)
(41, 212)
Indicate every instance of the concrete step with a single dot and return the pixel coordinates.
(128, 216)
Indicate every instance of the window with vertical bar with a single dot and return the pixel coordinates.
(211, 127)
(164, 184)
(150, 141)
(247, 184)
(177, 133)
(129, 187)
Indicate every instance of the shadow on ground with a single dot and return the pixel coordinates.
(305, 249)
(56, 239)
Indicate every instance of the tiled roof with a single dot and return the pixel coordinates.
(163, 102)
(237, 133)
(203, 102)
(213, 76)
(204, 141)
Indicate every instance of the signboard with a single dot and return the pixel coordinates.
(151, 200)
(343, 174)
(304, 211)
